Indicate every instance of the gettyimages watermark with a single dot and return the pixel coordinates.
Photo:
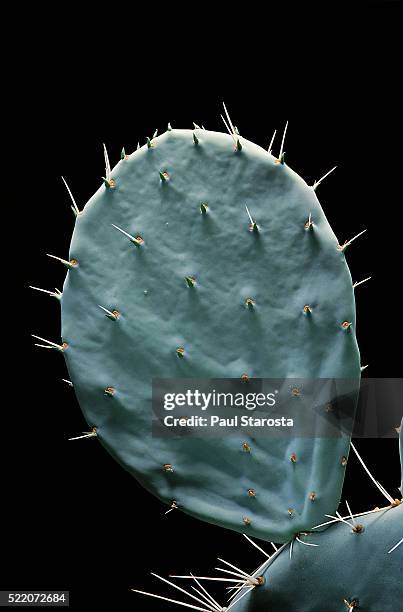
(213, 403)
(312, 408)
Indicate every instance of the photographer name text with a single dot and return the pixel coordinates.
(235, 421)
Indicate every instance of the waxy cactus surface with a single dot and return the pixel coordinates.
(204, 256)
(348, 569)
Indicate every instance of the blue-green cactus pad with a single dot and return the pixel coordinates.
(346, 566)
(282, 267)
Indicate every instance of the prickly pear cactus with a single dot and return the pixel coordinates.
(353, 566)
(204, 256)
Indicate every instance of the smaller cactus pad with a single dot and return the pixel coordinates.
(347, 567)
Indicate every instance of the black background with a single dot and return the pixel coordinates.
(71, 517)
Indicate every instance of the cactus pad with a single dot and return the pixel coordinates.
(175, 275)
(347, 571)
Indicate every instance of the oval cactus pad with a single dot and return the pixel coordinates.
(203, 256)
